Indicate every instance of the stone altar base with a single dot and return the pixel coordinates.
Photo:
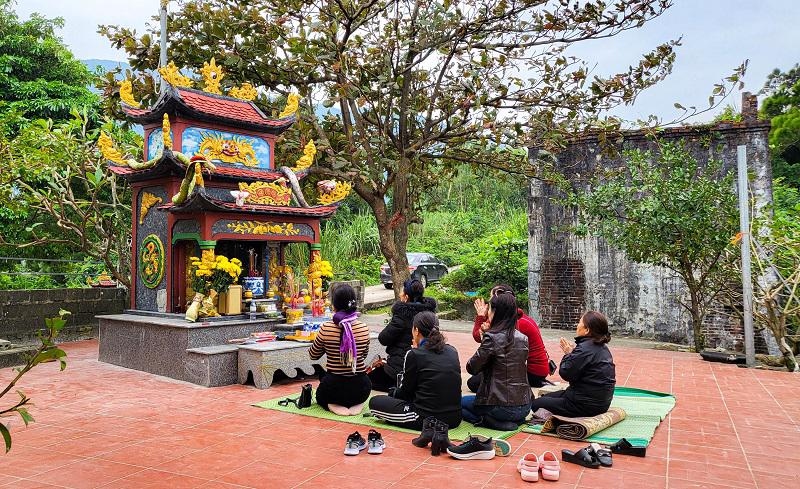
(161, 344)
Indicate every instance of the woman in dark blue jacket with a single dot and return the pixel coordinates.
(589, 369)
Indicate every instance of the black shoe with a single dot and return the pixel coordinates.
(603, 455)
(375, 443)
(440, 441)
(354, 444)
(473, 449)
(624, 447)
(581, 457)
(426, 435)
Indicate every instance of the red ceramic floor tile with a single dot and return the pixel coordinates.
(205, 464)
(26, 462)
(328, 481)
(267, 475)
(215, 438)
(87, 473)
(155, 479)
(695, 484)
(30, 484)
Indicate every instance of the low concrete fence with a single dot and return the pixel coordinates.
(22, 312)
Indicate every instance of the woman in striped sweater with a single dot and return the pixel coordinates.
(344, 386)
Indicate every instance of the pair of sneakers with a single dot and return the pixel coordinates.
(477, 447)
(530, 465)
(356, 443)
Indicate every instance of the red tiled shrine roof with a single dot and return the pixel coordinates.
(201, 201)
(169, 165)
(209, 107)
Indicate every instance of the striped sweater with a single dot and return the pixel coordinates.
(327, 343)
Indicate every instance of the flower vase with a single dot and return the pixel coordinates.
(208, 309)
(194, 308)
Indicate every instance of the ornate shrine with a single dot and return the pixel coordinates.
(210, 182)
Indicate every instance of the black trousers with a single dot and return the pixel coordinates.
(404, 413)
(534, 380)
(561, 403)
(343, 390)
(381, 381)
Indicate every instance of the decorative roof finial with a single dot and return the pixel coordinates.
(126, 94)
(245, 92)
(172, 75)
(212, 75)
(307, 159)
(292, 104)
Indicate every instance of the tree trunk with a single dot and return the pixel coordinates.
(697, 316)
(392, 231)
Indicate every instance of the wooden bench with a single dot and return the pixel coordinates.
(262, 360)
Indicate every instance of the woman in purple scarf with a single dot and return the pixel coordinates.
(344, 386)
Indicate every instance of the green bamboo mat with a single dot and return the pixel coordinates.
(461, 432)
(644, 412)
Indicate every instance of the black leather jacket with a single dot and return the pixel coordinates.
(396, 336)
(591, 374)
(504, 365)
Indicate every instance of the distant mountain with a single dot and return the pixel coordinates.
(105, 64)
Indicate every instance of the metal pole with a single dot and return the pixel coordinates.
(162, 59)
(747, 284)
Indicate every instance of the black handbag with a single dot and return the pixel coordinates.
(301, 402)
(552, 366)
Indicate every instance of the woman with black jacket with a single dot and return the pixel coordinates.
(429, 383)
(396, 336)
(588, 367)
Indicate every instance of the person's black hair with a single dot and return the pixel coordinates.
(343, 298)
(414, 289)
(502, 289)
(505, 316)
(597, 324)
(427, 324)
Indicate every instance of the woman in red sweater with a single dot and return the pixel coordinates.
(538, 359)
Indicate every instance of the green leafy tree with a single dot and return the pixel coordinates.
(418, 87)
(60, 182)
(782, 107)
(39, 77)
(665, 209)
(46, 352)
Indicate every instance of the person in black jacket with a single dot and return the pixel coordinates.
(396, 336)
(429, 384)
(589, 369)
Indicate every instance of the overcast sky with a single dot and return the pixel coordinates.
(717, 36)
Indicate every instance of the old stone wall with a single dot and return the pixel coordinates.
(22, 312)
(569, 274)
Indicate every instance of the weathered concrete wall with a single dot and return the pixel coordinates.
(568, 274)
(22, 312)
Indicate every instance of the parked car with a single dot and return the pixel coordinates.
(424, 267)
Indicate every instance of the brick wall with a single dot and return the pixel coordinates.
(22, 312)
(570, 274)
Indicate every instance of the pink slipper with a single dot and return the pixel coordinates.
(550, 466)
(528, 467)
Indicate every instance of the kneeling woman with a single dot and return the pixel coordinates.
(589, 369)
(429, 384)
(344, 386)
(503, 397)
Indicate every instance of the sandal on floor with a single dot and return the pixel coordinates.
(581, 457)
(603, 455)
(528, 467)
(551, 468)
(624, 447)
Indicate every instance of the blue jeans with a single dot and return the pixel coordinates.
(473, 413)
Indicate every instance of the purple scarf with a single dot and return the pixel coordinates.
(347, 347)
